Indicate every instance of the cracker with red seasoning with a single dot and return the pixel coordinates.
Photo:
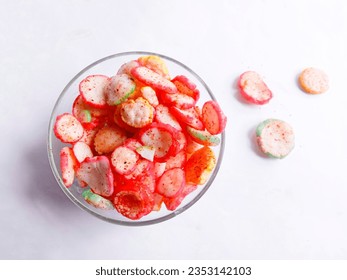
(253, 88)
(171, 183)
(88, 116)
(199, 166)
(178, 100)
(108, 138)
(132, 199)
(67, 166)
(124, 160)
(203, 137)
(133, 204)
(127, 67)
(81, 151)
(162, 138)
(137, 113)
(155, 63)
(173, 202)
(97, 200)
(92, 90)
(153, 79)
(164, 116)
(97, 173)
(132, 143)
(178, 160)
(88, 136)
(67, 128)
(189, 116)
(314, 81)
(119, 89)
(186, 86)
(181, 140)
(150, 95)
(275, 138)
(213, 117)
(117, 118)
(143, 175)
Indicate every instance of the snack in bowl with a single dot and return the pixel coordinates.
(125, 141)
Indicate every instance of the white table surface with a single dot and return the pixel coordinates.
(257, 208)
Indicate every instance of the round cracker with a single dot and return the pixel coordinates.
(314, 81)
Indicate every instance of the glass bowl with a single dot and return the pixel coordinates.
(109, 66)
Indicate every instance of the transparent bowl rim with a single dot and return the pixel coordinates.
(107, 219)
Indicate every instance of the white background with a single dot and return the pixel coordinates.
(257, 208)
